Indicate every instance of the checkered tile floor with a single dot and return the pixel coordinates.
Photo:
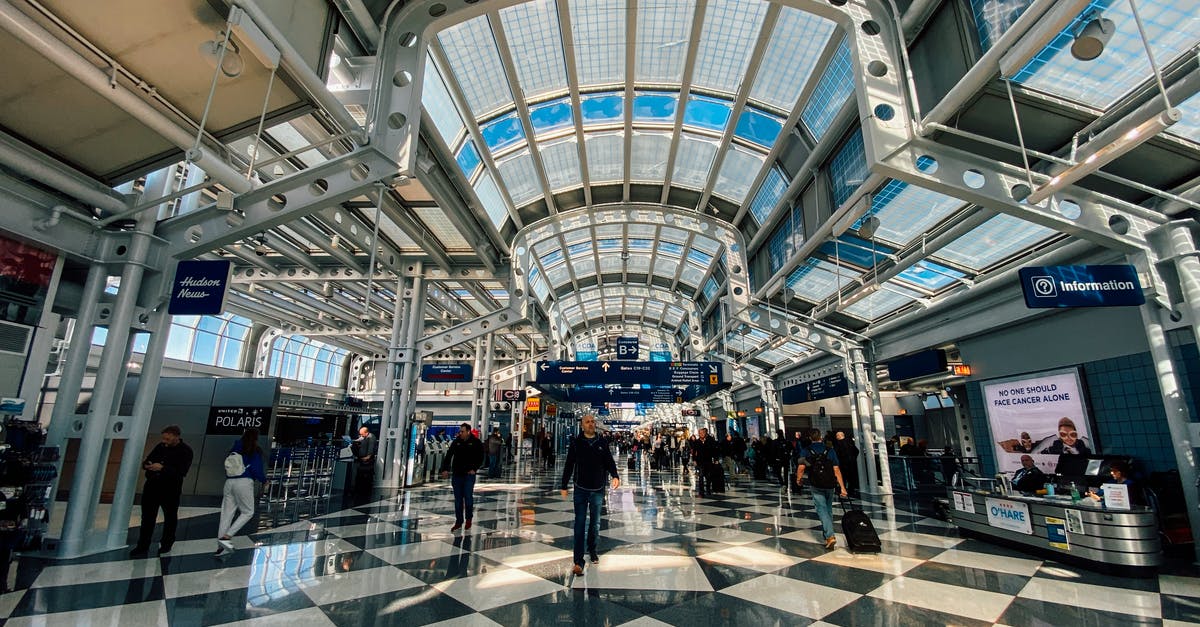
(748, 557)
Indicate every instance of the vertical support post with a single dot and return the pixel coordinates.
(479, 405)
(771, 403)
(143, 408)
(39, 350)
(411, 363)
(89, 469)
(863, 433)
(866, 397)
(391, 393)
(489, 359)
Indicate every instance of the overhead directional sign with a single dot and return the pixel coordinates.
(671, 373)
(832, 386)
(623, 395)
(627, 348)
(1081, 286)
(446, 373)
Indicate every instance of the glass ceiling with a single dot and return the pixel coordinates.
(722, 148)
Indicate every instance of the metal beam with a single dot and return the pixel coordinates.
(685, 87)
(27, 213)
(470, 330)
(31, 163)
(283, 200)
(568, 40)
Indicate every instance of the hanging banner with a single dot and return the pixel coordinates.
(1040, 415)
(199, 287)
(235, 420)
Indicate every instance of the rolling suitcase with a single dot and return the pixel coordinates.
(629, 464)
(859, 531)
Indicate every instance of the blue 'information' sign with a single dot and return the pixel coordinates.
(627, 348)
(446, 373)
(1081, 286)
(199, 287)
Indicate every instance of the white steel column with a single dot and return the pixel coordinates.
(387, 382)
(39, 350)
(489, 359)
(90, 465)
(866, 398)
(479, 405)
(860, 423)
(143, 408)
(406, 384)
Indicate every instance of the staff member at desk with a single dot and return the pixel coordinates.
(1029, 478)
(1120, 474)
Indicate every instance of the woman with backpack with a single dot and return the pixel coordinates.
(243, 466)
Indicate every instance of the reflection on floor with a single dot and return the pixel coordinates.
(748, 557)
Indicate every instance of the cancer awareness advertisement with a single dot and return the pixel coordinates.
(1040, 415)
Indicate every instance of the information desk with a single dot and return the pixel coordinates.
(1117, 541)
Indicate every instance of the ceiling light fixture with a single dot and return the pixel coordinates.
(1090, 41)
(231, 62)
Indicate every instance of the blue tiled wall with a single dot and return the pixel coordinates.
(1124, 402)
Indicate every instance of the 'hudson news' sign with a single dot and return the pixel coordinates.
(199, 288)
(1081, 286)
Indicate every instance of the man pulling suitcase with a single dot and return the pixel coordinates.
(825, 476)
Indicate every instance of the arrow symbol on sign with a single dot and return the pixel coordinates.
(604, 366)
(712, 369)
(544, 367)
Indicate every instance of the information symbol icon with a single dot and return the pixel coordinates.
(1044, 287)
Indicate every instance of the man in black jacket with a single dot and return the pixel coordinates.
(165, 466)
(463, 459)
(590, 460)
(707, 452)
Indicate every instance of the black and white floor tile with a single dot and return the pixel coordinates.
(751, 556)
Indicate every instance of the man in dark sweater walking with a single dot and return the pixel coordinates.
(165, 466)
(463, 459)
(590, 460)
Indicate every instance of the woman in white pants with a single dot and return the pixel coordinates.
(239, 490)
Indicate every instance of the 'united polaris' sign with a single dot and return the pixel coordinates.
(199, 288)
(1081, 286)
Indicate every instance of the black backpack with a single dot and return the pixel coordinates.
(821, 470)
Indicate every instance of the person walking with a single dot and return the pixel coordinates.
(495, 448)
(706, 452)
(165, 466)
(825, 477)
(463, 458)
(589, 460)
(243, 466)
(847, 454)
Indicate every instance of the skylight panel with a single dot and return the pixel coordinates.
(790, 58)
(885, 300)
(769, 194)
(860, 252)
(663, 31)
(536, 43)
(520, 177)
(848, 169)
(602, 109)
(1123, 65)
(493, 202)
(700, 258)
(726, 42)
(737, 173)
(930, 276)
(471, 51)
(291, 139)
(993, 18)
(705, 244)
(503, 132)
(606, 157)
(708, 113)
(468, 158)
(649, 162)
(691, 275)
(993, 241)
(551, 116)
(655, 107)
(438, 103)
(561, 160)
(710, 288)
(835, 86)
(758, 127)
(816, 280)
(906, 211)
(442, 228)
(598, 28)
(693, 161)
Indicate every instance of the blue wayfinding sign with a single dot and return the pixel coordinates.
(199, 287)
(832, 386)
(445, 373)
(627, 348)
(670, 373)
(623, 395)
(1081, 286)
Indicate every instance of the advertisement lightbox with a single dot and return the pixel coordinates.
(1042, 415)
